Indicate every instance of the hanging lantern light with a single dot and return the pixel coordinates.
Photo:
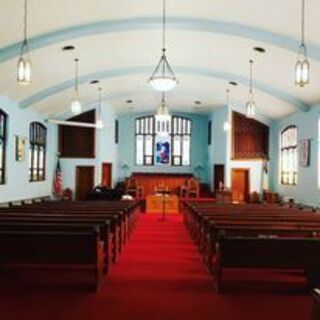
(227, 125)
(24, 63)
(163, 77)
(76, 107)
(163, 118)
(302, 69)
(99, 122)
(250, 105)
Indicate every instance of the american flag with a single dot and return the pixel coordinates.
(57, 183)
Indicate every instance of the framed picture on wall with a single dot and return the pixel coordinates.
(304, 153)
(20, 148)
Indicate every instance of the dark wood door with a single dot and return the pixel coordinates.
(84, 181)
(106, 177)
(240, 185)
(218, 175)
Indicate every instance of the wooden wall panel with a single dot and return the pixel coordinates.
(76, 142)
(151, 181)
(250, 138)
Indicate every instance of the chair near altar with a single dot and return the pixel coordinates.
(132, 188)
(191, 189)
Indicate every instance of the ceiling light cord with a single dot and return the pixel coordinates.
(303, 17)
(251, 64)
(164, 26)
(76, 84)
(24, 49)
(100, 101)
(163, 34)
(25, 30)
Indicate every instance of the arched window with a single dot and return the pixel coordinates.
(289, 155)
(179, 139)
(37, 152)
(3, 143)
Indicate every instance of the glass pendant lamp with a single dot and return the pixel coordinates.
(24, 63)
(163, 77)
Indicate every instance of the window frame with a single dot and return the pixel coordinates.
(3, 138)
(38, 144)
(290, 148)
(184, 132)
(145, 132)
(141, 130)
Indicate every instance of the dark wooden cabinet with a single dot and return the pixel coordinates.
(78, 142)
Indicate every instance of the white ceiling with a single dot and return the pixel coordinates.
(204, 59)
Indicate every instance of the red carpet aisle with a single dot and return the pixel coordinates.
(159, 276)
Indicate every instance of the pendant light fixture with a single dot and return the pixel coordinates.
(250, 105)
(302, 65)
(163, 77)
(227, 125)
(99, 122)
(163, 118)
(24, 64)
(76, 105)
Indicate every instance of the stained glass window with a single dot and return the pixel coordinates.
(37, 152)
(289, 156)
(145, 139)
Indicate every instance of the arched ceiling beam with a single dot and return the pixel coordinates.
(146, 23)
(202, 72)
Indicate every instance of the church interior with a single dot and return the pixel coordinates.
(160, 159)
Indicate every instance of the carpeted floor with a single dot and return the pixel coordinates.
(160, 276)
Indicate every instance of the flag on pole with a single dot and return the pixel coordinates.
(57, 183)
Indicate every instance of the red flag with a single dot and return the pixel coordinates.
(57, 183)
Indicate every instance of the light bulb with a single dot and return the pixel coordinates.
(226, 126)
(24, 71)
(99, 124)
(76, 107)
(250, 109)
(305, 71)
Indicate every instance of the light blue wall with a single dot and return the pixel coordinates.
(17, 185)
(307, 190)
(217, 151)
(199, 147)
(106, 151)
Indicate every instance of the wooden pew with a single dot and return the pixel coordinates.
(217, 230)
(62, 247)
(123, 215)
(246, 252)
(316, 304)
(112, 220)
(44, 224)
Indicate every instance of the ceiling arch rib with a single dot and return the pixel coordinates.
(120, 72)
(186, 23)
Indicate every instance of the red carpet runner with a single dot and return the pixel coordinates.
(159, 277)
